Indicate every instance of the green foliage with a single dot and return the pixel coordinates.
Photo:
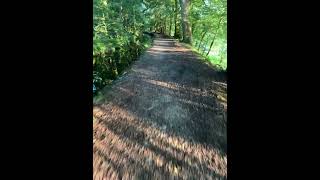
(209, 20)
(215, 60)
(117, 37)
(118, 27)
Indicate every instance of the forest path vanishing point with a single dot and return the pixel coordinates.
(164, 119)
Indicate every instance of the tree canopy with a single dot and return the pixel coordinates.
(118, 27)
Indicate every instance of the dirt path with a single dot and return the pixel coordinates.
(165, 119)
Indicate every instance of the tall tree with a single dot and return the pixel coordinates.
(215, 35)
(186, 27)
(203, 35)
(176, 33)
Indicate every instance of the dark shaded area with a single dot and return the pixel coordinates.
(151, 34)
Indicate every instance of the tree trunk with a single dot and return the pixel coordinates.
(203, 35)
(214, 37)
(186, 27)
(165, 25)
(176, 34)
(170, 24)
(193, 27)
(204, 48)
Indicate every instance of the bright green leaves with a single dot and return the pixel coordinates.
(209, 19)
(117, 37)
